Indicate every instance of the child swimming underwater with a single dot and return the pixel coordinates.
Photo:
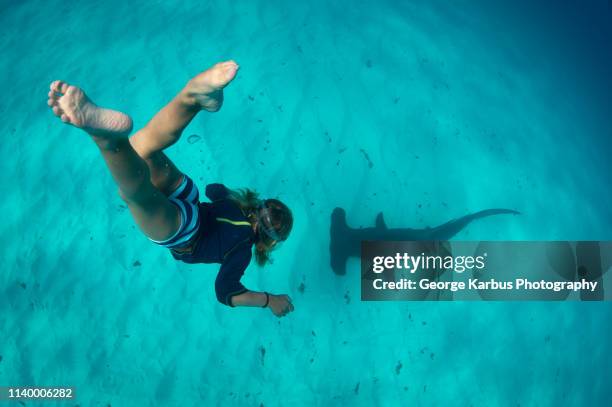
(164, 202)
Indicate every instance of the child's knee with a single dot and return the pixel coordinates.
(129, 196)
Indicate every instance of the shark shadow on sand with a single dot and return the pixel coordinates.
(345, 242)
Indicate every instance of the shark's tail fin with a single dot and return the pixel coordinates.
(450, 229)
(491, 212)
(339, 242)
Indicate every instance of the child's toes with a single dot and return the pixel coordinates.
(55, 86)
(57, 111)
(53, 99)
(59, 86)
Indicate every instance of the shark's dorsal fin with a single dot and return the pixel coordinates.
(380, 221)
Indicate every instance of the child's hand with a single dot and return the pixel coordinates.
(280, 305)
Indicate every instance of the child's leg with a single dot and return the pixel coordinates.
(205, 91)
(156, 216)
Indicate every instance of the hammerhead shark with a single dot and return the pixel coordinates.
(346, 242)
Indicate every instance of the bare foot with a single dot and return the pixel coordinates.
(205, 91)
(72, 105)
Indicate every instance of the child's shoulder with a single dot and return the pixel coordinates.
(216, 191)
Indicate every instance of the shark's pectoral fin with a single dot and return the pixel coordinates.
(380, 221)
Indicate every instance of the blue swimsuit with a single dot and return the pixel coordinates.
(221, 232)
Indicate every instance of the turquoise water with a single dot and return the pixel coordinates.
(422, 110)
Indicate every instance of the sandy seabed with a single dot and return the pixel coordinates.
(421, 111)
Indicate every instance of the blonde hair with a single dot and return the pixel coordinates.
(249, 202)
